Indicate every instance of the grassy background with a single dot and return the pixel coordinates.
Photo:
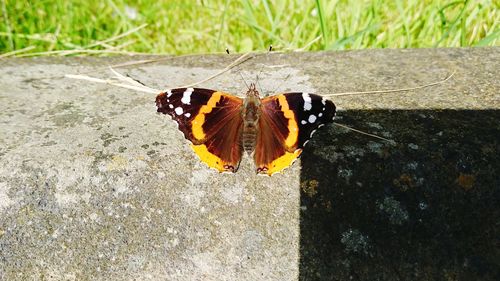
(182, 27)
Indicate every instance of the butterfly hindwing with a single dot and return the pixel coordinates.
(286, 123)
(277, 136)
(211, 120)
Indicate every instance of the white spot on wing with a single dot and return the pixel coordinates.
(178, 110)
(170, 106)
(303, 122)
(320, 114)
(187, 114)
(169, 93)
(307, 101)
(186, 96)
(312, 119)
(323, 101)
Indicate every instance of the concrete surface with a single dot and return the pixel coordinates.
(95, 185)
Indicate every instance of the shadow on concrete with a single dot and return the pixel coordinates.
(425, 208)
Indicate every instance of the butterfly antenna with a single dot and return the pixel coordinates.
(363, 133)
(262, 68)
(239, 72)
(136, 80)
(243, 78)
(232, 65)
(282, 82)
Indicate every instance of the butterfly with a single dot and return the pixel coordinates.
(222, 127)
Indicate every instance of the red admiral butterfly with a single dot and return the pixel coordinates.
(221, 127)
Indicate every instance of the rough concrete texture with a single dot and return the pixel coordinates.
(95, 185)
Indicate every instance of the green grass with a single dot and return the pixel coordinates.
(200, 26)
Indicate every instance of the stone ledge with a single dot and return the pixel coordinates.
(95, 185)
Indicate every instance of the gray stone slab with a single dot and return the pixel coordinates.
(95, 185)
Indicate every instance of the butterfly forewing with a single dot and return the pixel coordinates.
(183, 110)
(311, 112)
(211, 120)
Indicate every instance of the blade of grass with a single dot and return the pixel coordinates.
(74, 52)
(489, 40)
(7, 26)
(340, 44)
(29, 36)
(404, 19)
(363, 133)
(269, 14)
(113, 82)
(114, 38)
(391, 90)
(463, 32)
(453, 22)
(126, 21)
(235, 63)
(217, 43)
(53, 44)
(274, 37)
(340, 26)
(306, 46)
(250, 19)
(322, 22)
(29, 48)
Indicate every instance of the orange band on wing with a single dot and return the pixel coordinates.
(209, 158)
(283, 162)
(197, 123)
(293, 129)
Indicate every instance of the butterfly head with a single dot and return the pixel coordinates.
(252, 97)
(252, 92)
(251, 107)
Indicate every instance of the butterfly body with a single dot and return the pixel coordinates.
(250, 115)
(221, 127)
